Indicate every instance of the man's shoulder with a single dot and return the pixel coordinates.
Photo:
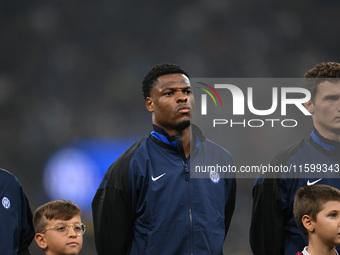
(9, 183)
(286, 154)
(129, 153)
(215, 147)
(119, 168)
(123, 161)
(7, 177)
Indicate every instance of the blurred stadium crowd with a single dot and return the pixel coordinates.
(73, 70)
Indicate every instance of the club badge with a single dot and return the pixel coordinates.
(214, 177)
(6, 203)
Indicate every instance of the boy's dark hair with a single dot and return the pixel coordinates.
(157, 71)
(326, 71)
(309, 200)
(57, 209)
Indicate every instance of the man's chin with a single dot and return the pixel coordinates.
(183, 125)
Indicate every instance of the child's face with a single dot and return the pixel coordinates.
(327, 224)
(59, 243)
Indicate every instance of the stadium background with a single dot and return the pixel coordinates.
(71, 73)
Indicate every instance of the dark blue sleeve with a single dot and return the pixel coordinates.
(16, 228)
(267, 224)
(111, 208)
(230, 205)
(27, 230)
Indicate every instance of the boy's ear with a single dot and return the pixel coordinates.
(149, 104)
(309, 106)
(308, 223)
(40, 240)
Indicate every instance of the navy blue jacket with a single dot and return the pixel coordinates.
(273, 229)
(16, 228)
(148, 204)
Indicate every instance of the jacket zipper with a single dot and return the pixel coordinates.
(187, 178)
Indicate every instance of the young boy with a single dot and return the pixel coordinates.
(317, 214)
(58, 228)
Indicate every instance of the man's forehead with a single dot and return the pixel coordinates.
(329, 84)
(331, 81)
(173, 80)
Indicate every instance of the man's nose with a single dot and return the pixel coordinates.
(182, 98)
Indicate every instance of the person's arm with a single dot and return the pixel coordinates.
(112, 208)
(27, 230)
(267, 224)
(230, 205)
(111, 215)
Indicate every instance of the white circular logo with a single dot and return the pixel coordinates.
(214, 177)
(6, 203)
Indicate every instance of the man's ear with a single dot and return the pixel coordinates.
(308, 223)
(309, 106)
(149, 104)
(40, 240)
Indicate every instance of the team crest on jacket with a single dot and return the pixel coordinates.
(6, 203)
(214, 177)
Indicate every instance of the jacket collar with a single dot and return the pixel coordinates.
(330, 147)
(326, 144)
(161, 135)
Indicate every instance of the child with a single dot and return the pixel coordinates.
(58, 228)
(317, 214)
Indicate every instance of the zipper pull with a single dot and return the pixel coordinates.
(187, 173)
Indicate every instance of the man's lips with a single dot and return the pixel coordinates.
(184, 108)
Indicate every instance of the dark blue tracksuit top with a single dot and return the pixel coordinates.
(16, 226)
(273, 229)
(148, 204)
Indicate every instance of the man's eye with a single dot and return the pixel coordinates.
(168, 93)
(188, 92)
(332, 98)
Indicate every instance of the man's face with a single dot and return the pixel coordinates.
(325, 109)
(171, 102)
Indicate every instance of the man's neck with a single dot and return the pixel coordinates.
(328, 134)
(185, 136)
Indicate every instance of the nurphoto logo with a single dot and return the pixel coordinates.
(244, 101)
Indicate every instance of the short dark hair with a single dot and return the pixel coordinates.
(157, 71)
(309, 200)
(325, 71)
(57, 209)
